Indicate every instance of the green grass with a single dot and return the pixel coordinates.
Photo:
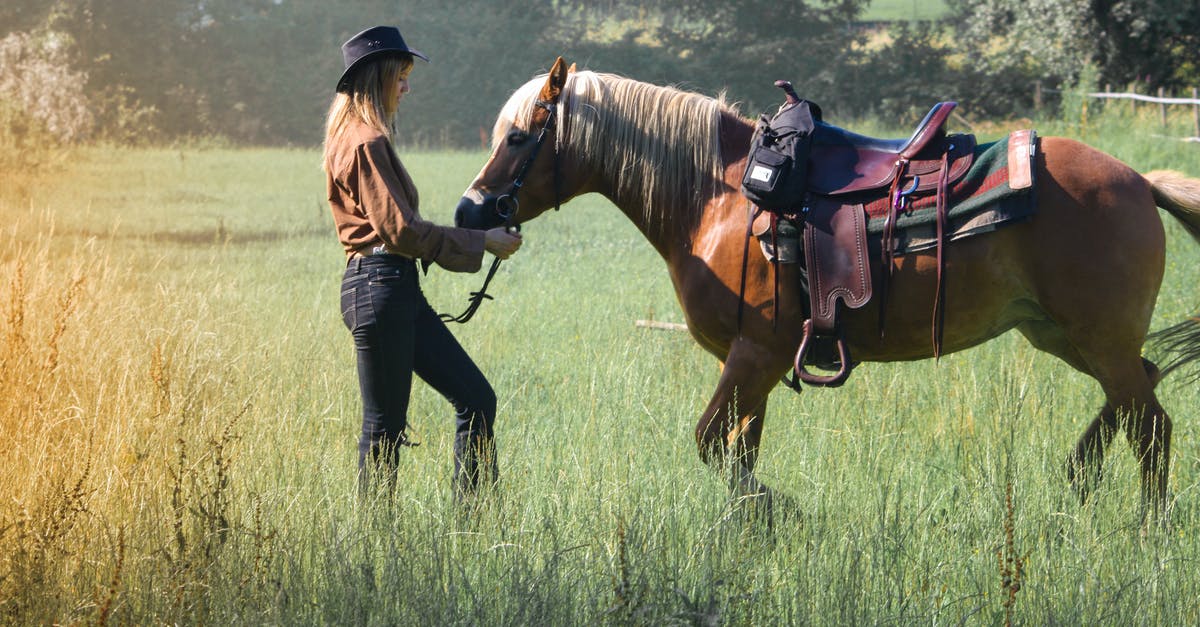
(905, 10)
(187, 455)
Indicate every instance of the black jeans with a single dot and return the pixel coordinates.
(397, 333)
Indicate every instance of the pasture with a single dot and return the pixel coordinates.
(179, 411)
(905, 10)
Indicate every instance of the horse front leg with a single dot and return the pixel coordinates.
(730, 430)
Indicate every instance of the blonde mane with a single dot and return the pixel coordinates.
(658, 145)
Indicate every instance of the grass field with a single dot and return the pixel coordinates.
(179, 409)
(905, 10)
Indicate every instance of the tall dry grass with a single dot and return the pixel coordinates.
(120, 442)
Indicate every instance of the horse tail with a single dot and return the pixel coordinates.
(1179, 195)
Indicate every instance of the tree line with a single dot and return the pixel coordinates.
(262, 71)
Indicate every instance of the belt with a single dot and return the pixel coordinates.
(378, 250)
(356, 258)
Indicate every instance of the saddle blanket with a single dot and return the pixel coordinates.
(982, 201)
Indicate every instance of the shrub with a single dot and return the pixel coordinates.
(37, 76)
(42, 106)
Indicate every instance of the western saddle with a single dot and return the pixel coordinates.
(847, 172)
(844, 162)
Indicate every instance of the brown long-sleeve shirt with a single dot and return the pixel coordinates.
(375, 203)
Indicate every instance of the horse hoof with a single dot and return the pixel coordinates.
(1081, 478)
(786, 508)
(767, 508)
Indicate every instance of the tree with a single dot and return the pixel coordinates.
(1154, 41)
(23, 15)
(747, 45)
(263, 71)
(1053, 39)
(1151, 41)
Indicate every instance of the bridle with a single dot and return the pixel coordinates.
(507, 206)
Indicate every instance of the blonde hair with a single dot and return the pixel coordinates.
(369, 99)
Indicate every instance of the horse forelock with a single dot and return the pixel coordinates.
(659, 146)
(517, 111)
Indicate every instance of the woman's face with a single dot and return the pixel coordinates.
(401, 87)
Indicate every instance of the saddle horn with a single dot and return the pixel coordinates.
(786, 86)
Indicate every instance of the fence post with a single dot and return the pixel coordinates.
(1195, 114)
(1037, 96)
(1162, 108)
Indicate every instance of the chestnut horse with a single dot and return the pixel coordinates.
(1079, 279)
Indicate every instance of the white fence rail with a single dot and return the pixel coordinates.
(1162, 101)
(1141, 98)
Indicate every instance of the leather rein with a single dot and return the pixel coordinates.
(507, 206)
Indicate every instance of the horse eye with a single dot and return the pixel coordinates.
(516, 138)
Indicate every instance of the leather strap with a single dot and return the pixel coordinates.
(752, 212)
(887, 243)
(1021, 147)
(939, 302)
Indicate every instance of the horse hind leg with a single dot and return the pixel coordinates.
(1148, 429)
(1085, 464)
(1130, 402)
(1131, 405)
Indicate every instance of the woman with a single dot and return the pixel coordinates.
(375, 210)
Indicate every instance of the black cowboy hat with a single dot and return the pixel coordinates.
(370, 44)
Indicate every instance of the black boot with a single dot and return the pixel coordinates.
(377, 464)
(474, 464)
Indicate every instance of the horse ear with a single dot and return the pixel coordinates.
(572, 69)
(554, 82)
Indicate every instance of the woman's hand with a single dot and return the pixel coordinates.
(500, 242)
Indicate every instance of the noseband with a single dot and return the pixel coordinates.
(507, 206)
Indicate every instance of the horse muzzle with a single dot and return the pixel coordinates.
(477, 211)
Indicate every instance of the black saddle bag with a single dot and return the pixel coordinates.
(777, 166)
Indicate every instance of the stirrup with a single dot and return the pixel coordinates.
(827, 381)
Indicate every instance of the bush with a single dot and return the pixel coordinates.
(42, 106)
(123, 119)
(37, 75)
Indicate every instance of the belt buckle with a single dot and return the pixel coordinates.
(379, 250)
